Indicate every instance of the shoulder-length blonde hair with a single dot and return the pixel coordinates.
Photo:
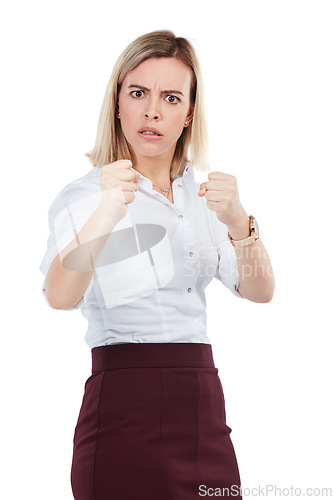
(111, 144)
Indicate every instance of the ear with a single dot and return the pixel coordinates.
(190, 114)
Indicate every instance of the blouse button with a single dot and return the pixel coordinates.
(189, 289)
(180, 216)
(195, 319)
(180, 185)
(191, 254)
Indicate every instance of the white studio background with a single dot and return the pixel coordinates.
(267, 68)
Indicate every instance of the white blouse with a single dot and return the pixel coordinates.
(150, 279)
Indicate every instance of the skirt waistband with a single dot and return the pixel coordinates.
(137, 355)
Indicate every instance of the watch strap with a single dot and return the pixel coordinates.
(249, 239)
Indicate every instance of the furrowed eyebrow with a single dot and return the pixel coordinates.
(141, 87)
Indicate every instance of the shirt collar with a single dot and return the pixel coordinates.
(188, 172)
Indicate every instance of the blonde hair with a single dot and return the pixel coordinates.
(111, 144)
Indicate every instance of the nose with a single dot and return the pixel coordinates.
(152, 109)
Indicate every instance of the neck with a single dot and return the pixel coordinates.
(157, 169)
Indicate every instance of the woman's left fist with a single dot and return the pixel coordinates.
(221, 193)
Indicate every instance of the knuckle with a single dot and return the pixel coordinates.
(125, 163)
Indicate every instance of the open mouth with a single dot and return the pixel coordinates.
(150, 135)
(150, 131)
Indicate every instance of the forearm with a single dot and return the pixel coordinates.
(72, 270)
(254, 266)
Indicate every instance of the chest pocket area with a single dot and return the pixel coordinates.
(135, 262)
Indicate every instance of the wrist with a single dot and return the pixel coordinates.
(241, 229)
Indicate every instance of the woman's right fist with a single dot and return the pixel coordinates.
(118, 181)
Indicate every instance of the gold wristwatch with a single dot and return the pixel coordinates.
(254, 234)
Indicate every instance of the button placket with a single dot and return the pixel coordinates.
(188, 240)
(178, 195)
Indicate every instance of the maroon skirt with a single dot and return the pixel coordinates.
(152, 426)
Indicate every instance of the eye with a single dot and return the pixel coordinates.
(173, 97)
(136, 91)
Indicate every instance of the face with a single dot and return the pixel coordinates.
(163, 103)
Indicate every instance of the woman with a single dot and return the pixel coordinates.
(134, 243)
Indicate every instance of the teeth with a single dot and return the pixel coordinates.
(150, 133)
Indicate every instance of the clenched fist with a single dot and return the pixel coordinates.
(221, 193)
(118, 181)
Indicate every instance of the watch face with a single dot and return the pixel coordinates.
(256, 227)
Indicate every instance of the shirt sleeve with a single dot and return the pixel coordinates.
(68, 213)
(227, 271)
